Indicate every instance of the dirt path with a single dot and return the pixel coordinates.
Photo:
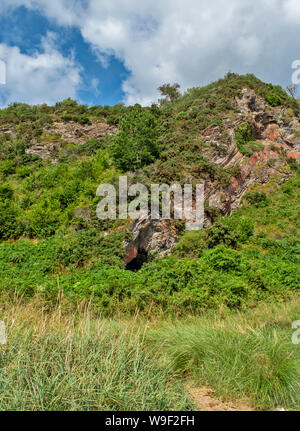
(205, 400)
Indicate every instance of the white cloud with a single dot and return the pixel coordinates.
(192, 42)
(64, 12)
(292, 10)
(45, 76)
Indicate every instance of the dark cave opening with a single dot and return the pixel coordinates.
(138, 262)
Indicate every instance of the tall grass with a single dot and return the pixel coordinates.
(54, 361)
(248, 355)
(57, 359)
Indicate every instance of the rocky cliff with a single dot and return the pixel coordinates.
(276, 131)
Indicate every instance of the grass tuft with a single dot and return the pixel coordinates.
(241, 356)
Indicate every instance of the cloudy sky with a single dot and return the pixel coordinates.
(110, 51)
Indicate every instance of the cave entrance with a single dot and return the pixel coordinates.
(138, 261)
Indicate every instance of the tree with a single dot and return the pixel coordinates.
(170, 92)
(136, 143)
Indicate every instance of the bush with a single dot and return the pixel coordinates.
(228, 231)
(221, 233)
(245, 228)
(275, 95)
(6, 192)
(24, 171)
(191, 243)
(293, 163)
(258, 199)
(223, 258)
(68, 117)
(8, 219)
(273, 99)
(7, 167)
(42, 219)
(83, 119)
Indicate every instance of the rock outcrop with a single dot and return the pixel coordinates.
(8, 130)
(279, 135)
(278, 132)
(79, 134)
(68, 133)
(149, 236)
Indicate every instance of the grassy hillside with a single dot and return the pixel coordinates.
(251, 256)
(67, 298)
(52, 239)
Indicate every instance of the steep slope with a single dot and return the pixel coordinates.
(250, 145)
(239, 136)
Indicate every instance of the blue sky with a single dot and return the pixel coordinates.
(25, 28)
(111, 51)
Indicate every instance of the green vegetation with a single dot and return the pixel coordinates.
(50, 231)
(246, 356)
(243, 138)
(275, 95)
(248, 257)
(53, 246)
(135, 146)
(57, 360)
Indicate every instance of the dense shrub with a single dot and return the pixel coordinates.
(275, 95)
(273, 99)
(6, 192)
(83, 119)
(42, 220)
(24, 171)
(191, 243)
(223, 258)
(258, 199)
(135, 146)
(8, 219)
(221, 233)
(7, 167)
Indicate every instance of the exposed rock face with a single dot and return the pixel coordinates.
(7, 130)
(69, 132)
(45, 150)
(79, 134)
(277, 129)
(150, 235)
(279, 133)
(273, 128)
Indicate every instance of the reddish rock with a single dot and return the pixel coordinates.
(131, 254)
(271, 132)
(234, 184)
(271, 127)
(294, 155)
(150, 235)
(211, 131)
